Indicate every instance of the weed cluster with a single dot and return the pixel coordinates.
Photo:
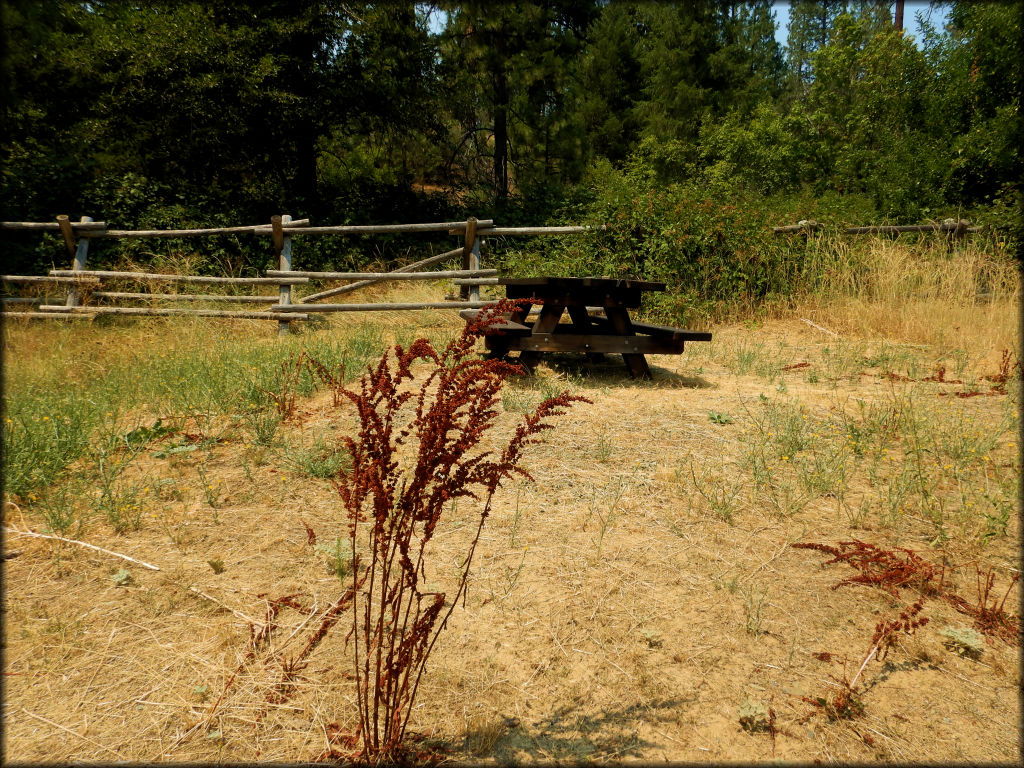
(893, 570)
(394, 511)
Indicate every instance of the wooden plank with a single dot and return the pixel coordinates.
(581, 296)
(151, 311)
(513, 231)
(389, 307)
(503, 324)
(276, 233)
(370, 229)
(74, 297)
(384, 277)
(467, 254)
(70, 278)
(476, 281)
(68, 232)
(49, 315)
(577, 283)
(110, 275)
(585, 343)
(675, 333)
(430, 261)
(283, 245)
(807, 225)
(955, 226)
(47, 226)
(255, 229)
(185, 297)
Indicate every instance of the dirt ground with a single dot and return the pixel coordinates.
(623, 606)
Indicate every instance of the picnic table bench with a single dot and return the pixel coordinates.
(599, 322)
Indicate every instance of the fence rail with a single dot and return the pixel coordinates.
(285, 307)
(953, 227)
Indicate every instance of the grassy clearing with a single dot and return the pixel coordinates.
(628, 603)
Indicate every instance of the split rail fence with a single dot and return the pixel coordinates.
(84, 284)
(952, 228)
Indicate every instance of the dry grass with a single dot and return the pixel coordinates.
(622, 606)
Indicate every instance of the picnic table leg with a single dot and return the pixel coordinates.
(550, 314)
(635, 362)
(581, 320)
(497, 345)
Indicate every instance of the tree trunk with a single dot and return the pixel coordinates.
(500, 82)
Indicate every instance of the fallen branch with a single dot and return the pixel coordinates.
(81, 544)
(815, 325)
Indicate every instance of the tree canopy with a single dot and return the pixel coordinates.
(168, 113)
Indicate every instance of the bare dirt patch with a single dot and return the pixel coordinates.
(626, 605)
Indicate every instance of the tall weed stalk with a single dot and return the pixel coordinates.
(393, 512)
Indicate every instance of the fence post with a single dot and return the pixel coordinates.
(474, 263)
(468, 249)
(283, 246)
(81, 251)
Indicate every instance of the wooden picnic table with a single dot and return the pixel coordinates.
(599, 322)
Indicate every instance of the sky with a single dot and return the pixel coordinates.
(910, 11)
(781, 7)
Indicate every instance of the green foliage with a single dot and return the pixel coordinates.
(191, 114)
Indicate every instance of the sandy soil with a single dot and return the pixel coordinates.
(623, 606)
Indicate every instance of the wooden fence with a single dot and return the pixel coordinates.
(953, 228)
(82, 283)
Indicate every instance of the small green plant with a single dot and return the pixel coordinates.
(753, 607)
(719, 418)
(210, 491)
(964, 641)
(319, 460)
(263, 423)
(216, 565)
(57, 504)
(339, 557)
(122, 578)
(720, 494)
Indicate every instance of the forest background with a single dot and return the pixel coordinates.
(686, 127)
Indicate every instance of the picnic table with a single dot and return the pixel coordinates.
(599, 322)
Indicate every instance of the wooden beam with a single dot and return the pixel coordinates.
(428, 262)
(46, 226)
(467, 254)
(384, 277)
(110, 275)
(49, 315)
(597, 343)
(483, 230)
(150, 311)
(456, 227)
(81, 254)
(283, 246)
(71, 278)
(185, 297)
(277, 234)
(388, 307)
(256, 229)
(68, 232)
